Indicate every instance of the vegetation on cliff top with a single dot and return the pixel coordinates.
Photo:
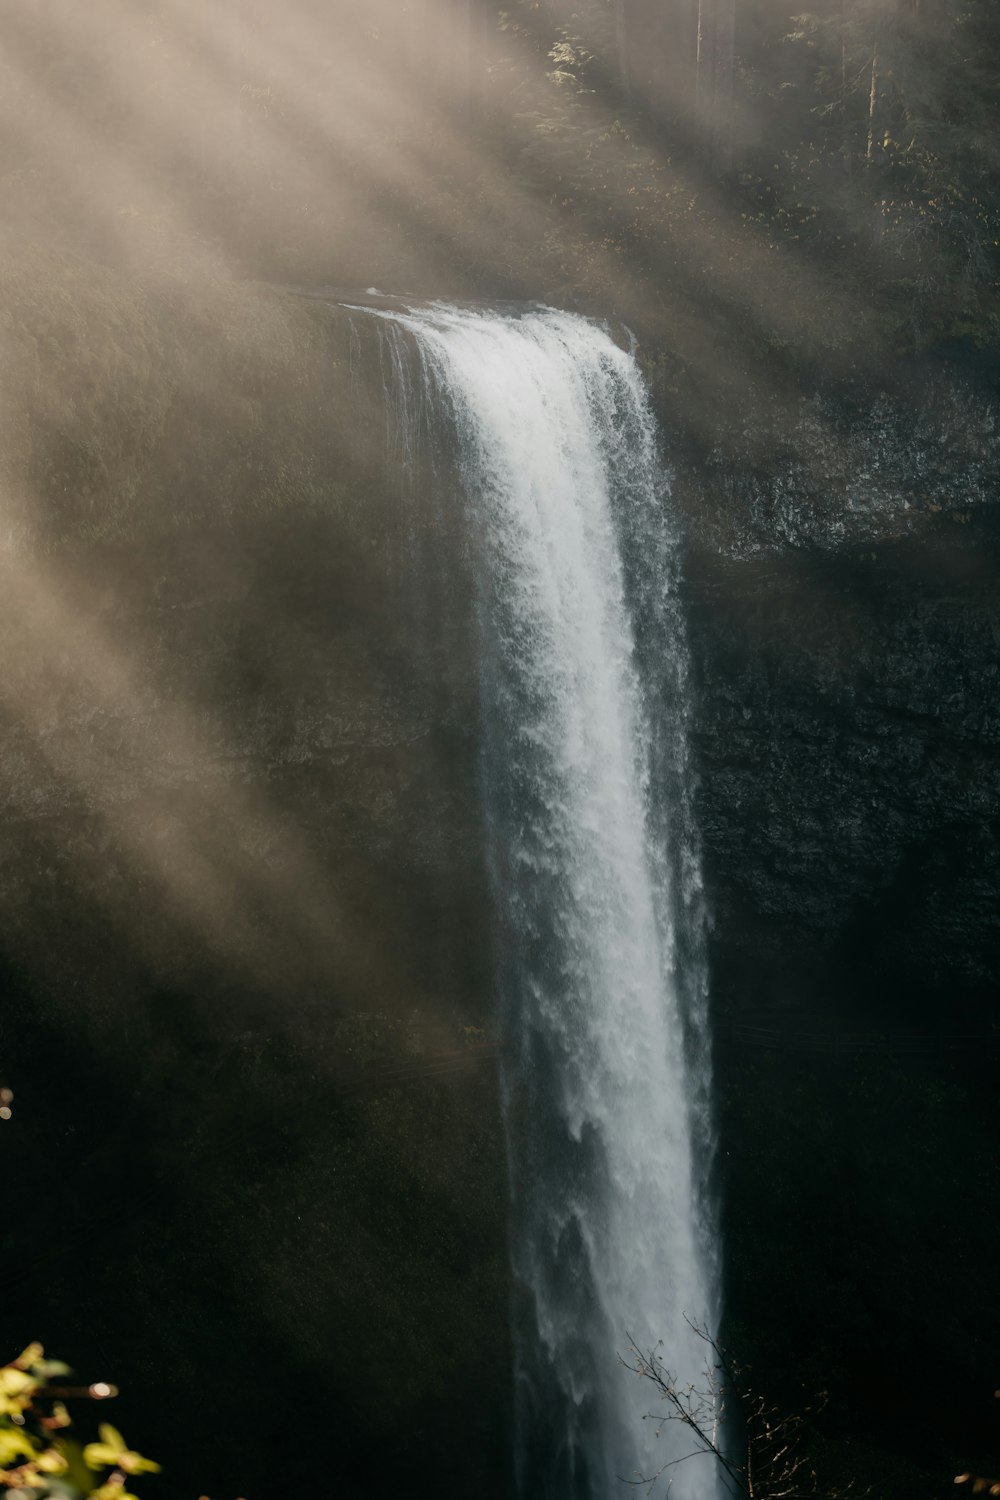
(818, 184)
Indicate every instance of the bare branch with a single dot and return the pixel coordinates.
(772, 1462)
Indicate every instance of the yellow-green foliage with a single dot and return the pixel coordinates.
(41, 1456)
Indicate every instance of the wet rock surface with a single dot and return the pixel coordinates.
(847, 741)
(849, 749)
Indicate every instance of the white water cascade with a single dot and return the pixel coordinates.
(600, 964)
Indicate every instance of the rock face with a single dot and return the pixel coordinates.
(842, 561)
(245, 930)
(850, 760)
(848, 744)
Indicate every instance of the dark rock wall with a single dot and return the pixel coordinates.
(849, 746)
(845, 622)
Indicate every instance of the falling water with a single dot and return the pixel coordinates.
(595, 872)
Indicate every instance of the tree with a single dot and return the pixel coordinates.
(979, 1483)
(714, 80)
(760, 1451)
(39, 1454)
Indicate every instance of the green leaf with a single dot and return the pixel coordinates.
(112, 1437)
(100, 1456)
(15, 1445)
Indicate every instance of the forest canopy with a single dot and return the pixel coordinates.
(822, 180)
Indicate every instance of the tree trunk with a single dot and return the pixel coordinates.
(846, 150)
(714, 79)
(234, 147)
(655, 49)
(872, 108)
(682, 45)
(622, 47)
(705, 65)
(725, 72)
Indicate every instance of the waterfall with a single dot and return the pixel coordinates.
(599, 956)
